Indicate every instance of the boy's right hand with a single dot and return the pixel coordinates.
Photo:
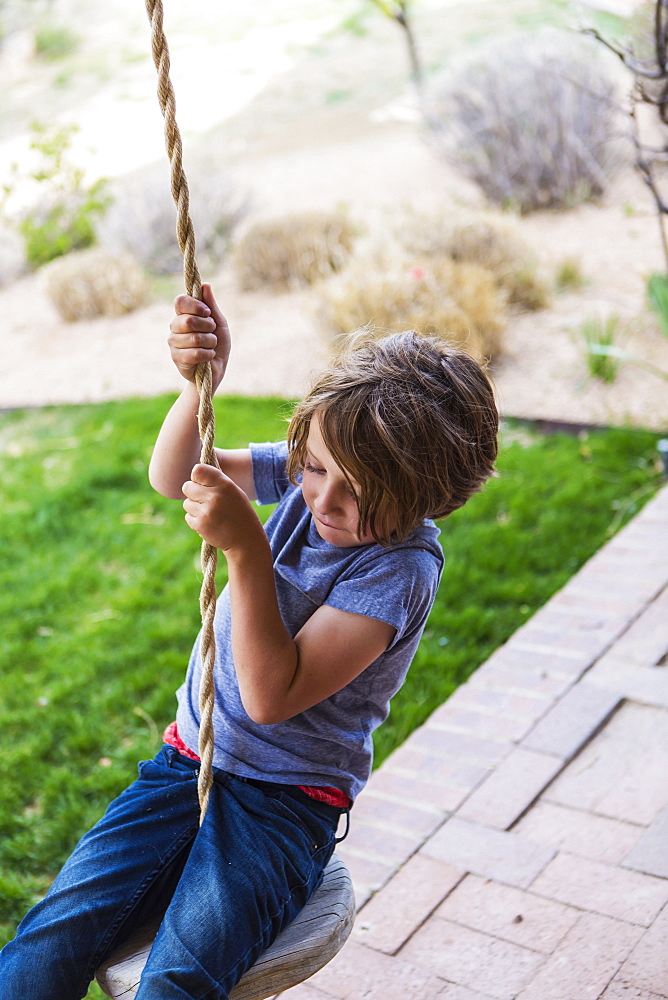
(199, 332)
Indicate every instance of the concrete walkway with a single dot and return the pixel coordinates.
(516, 846)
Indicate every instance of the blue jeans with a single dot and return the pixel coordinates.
(223, 890)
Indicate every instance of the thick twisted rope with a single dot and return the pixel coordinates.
(205, 416)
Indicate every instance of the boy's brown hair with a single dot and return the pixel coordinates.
(410, 420)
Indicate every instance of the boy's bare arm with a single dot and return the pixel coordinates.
(198, 332)
(277, 682)
(278, 676)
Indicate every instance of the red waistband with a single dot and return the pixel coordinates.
(321, 793)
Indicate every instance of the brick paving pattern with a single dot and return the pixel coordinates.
(516, 846)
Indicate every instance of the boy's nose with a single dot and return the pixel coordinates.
(327, 500)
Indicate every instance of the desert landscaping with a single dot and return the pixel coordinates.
(334, 125)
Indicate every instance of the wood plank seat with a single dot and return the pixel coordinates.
(304, 946)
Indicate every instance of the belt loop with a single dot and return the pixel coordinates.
(337, 840)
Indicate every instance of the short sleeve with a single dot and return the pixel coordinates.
(397, 586)
(269, 474)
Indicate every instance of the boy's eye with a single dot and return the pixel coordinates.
(309, 467)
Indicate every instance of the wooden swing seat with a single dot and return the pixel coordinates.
(314, 937)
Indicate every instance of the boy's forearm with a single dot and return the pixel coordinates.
(177, 448)
(265, 655)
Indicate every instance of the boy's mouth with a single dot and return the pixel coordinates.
(326, 524)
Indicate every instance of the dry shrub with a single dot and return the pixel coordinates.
(142, 218)
(460, 301)
(491, 241)
(93, 283)
(293, 251)
(532, 120)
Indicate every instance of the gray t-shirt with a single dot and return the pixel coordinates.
(330, 743)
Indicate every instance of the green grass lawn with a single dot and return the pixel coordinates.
(99, 584)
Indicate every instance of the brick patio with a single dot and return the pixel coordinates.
(516, 846)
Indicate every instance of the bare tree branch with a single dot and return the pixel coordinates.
(398, 11)
(636, 67)
(648, 158)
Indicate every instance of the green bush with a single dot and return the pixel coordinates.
(67, 211)
(54, 41)
(67, 224)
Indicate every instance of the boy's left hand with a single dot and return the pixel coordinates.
(218, 510)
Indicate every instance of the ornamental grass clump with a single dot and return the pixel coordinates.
(294, 251)
(456, 300)
(94, 283)
(657, 297)
(569, 276)
(600, 346)
(532, 119)
(490, 240)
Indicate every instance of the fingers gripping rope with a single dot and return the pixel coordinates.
(205, 416)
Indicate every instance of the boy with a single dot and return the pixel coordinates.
(315, 632)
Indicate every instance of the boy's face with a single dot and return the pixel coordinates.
(328, 494)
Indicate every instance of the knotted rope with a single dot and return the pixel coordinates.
(205, 415)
